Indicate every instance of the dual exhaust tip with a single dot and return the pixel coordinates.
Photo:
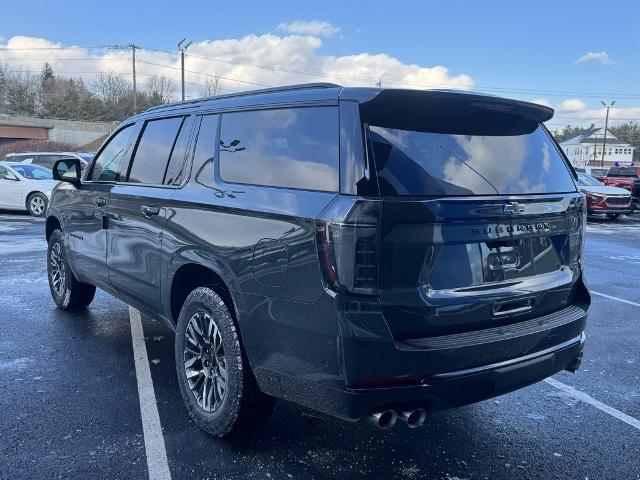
(387, 418)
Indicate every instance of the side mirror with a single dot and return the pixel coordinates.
(67, 170)
(10, 176)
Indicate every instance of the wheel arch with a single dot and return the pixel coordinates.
(52, 224)
(189, 276)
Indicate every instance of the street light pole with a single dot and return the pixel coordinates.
(182, 50)
(606, 125)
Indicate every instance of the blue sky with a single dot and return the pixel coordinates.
(528, 50)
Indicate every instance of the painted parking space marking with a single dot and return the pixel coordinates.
(157, 463)
(617, 299)
(583, 397)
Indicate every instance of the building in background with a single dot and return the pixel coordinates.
(585, 149)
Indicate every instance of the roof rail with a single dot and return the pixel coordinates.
(285, 88)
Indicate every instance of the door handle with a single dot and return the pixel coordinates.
(150, 211)
(101, 202)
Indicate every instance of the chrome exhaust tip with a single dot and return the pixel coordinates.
(384, 419)
(414, 418)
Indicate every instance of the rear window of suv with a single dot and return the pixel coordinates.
(415, 163)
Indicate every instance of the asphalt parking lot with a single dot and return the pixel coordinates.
(70, 405)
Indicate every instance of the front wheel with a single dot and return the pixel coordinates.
(216, 382)
(613, 216)
(67, 292)
(37, 204)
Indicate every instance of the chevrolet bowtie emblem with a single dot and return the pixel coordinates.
(513, 208)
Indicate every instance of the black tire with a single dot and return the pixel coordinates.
(613, 216)
(37, 204)
(67, 293)
(243, 406)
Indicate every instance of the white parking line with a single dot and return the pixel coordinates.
(583, 397)
(618, 299)
(152, 430)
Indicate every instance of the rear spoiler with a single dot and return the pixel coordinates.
(451, 112)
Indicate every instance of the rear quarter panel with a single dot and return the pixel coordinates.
(261, 242)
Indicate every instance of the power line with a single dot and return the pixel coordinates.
(375, 79)
(74, 47)
(205, 74)
(301, 71)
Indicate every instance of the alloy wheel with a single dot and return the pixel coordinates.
(37, 205)
(204, 362)
(58, 275)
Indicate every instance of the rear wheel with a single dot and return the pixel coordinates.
(216, 383)
(67, 292)
(37, 204)
(613, 216)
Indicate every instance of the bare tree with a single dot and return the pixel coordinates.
(211, 87)
(159, 89)
(111, 88)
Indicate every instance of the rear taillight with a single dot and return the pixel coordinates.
(348, 245)
(575, 245)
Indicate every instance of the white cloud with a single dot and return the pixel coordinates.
(573, 111)
(314, 28)
(572, 105)
(256, 60)
(602, 57)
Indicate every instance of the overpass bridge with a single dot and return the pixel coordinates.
(73, 132)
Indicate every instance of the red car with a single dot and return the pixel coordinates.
(627, 178)
(604, 199)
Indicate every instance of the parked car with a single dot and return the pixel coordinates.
(368, 253)
(47, 159)
(593, 171)
(25, 187)
(627, 178)
(604, 199)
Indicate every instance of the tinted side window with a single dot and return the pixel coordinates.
(108, 163)
(176, 168)
(151, 158)
(205, 150)
(288, 147)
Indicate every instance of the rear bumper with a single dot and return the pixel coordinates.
(458, 388)
(371, 368)
(445, 371)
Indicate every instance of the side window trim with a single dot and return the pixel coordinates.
(199, 122)
(191, 149)
(189, 123)
(90, 168)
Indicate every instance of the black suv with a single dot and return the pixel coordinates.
(365, 252)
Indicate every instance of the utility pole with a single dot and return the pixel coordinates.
(606, 124)
(182, 50)
(133, 48)
(135, 89)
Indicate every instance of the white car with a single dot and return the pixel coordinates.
(47, 159)
(25, 186)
